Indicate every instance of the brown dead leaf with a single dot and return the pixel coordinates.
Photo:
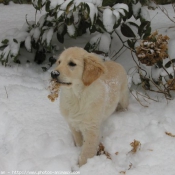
(54, 89)
(116, 153)
(135, 146)
(101, 151)
(123, 172)
(169, 134)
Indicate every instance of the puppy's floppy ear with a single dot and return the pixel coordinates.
(93, 69)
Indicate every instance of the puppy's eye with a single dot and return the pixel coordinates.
(59, 62)
(72, 64)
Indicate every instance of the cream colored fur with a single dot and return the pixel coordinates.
(96, 89)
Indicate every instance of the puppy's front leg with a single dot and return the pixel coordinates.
(78, 138)
(90, 145)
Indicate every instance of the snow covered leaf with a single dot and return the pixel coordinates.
(120, 10)
(41, 21)
(55, 3)
(136, 8)
(36, 34)
(20, 36)
(47, 6)
(131, 43)
(4, 42)
(105, 42)
(144, 14)
(38, 4)
(49, 36)
(14, 48)
(95, 39)
(60, 12)
(116, 14)
(66, 4)
(108, 2)
(93, 12)
(61, 32)
(44, 36)
(136, 79)
(121, 6)
(108, 20)
(76, 17)
(69, 20)
(126, 29)
(60, 38)
(169, 63)
(5, 53)
(70, 6)
(71, 30)
(15, 40)
(155, 73)
(101, 42)
(28, 44)
(144, 28)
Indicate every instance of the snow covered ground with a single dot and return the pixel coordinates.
(35, 137)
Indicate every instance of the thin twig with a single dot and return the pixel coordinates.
(27, 21)
(117, 52)
(137, 98)
(120, 54)
(35, 16)
(147, 96)
(164, 10)
(6, 91)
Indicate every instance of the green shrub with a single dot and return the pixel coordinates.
(75, 18)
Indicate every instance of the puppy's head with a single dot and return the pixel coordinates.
(75, 65)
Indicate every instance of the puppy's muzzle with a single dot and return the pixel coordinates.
(55, 74)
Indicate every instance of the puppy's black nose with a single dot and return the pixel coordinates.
(55, 74)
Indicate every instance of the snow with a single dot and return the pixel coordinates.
(35, 137)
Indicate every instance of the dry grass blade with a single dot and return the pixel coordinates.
(101, 151)
(135, 146)
(169, 134)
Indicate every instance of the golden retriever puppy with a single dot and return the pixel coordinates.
(91, 91)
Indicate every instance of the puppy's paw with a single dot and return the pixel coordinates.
(82, 160)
